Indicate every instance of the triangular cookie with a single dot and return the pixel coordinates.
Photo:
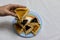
(21, 12)
(28, 29)
(18, 28)
(36, 28)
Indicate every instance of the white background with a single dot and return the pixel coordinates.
(50, 13)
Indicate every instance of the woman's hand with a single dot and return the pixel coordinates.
(9, 9)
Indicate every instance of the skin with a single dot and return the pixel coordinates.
(9, 9)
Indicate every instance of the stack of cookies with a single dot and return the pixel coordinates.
(26, 23)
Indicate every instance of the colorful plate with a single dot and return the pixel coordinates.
(30, 34)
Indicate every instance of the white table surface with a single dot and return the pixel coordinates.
(50, 13)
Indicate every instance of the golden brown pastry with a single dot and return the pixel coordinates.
(35, 30)
(28, 29)
(18, 28)
(21, 12)
(36, 27)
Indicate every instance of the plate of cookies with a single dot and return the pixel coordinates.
(27, 24)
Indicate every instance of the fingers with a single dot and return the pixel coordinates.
(16, 6)
(9, 9)
(11, 13)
